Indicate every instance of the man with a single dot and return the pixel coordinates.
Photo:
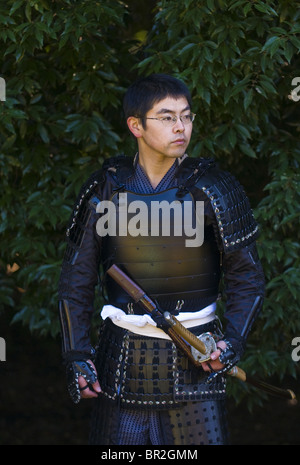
(147, 391)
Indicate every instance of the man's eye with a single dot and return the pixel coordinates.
(187, 118)
(167, 118)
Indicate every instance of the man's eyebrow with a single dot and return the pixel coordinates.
(166, 110)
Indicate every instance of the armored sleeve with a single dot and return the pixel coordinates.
(244, 286)
(80, 273)
(236, 232)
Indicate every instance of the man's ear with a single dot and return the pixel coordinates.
(134, 126)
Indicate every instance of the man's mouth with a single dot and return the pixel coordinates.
(179, 141)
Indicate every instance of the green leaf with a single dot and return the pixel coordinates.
(248, 99)
(247, 150)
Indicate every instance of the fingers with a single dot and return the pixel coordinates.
(222, 345)
(206, 366)
(213, 364)
(216, 365)
(216, 354)
(96, 387)
(87, 390)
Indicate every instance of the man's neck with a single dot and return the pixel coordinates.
(155, 169)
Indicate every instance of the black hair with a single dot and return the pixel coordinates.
(144, 93)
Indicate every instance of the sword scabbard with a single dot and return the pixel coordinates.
(240, 374)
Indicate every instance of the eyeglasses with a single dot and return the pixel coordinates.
(172, 120)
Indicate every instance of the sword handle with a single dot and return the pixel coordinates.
(186, 334)
(183, 346)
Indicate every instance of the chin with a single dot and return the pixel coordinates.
(180, 154)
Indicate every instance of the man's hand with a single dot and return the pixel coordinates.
(214, 363)
(88, 391)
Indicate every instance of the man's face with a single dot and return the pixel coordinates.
(159, 140)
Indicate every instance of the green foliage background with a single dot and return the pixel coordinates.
(67, 63)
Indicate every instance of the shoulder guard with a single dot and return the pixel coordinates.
(236, 224)
(235, 220)
(120, 167)
(191, 170)
(86, 202)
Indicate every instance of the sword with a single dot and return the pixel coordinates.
(165, 321)
(240, 374)
(197, 349)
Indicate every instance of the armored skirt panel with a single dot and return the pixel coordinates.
(165, 244)
(144, 372)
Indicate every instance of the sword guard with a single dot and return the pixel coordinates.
(210, 346)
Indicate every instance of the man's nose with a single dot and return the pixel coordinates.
(179, 126)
